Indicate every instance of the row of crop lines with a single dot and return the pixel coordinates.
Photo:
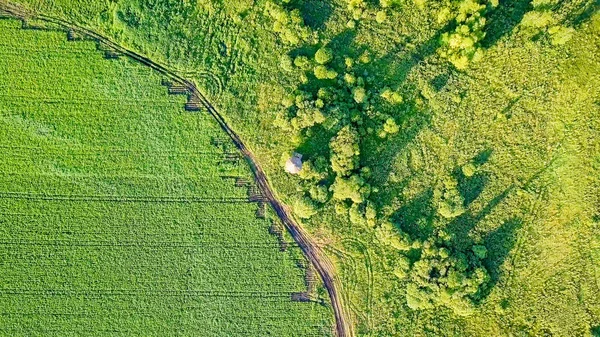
(236, 321)
(154, 218)
(126, 163)
(206, 157)
(74, 188)
(111, 161)
(155, 314)
(230, 226)
(150, 279)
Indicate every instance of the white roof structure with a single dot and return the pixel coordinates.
(294, 164)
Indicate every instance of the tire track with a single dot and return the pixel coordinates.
(312, 252)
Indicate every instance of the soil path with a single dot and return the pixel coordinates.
(312, 252)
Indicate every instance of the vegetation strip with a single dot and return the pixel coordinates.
(313, 253)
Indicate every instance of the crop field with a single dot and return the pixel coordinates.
(123, 214)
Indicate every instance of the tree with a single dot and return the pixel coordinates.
(307, 117)
(381, 16)
(451, 203)
(359, 94)
(389, 128)
(350, 79)
(285, 62)
(349, 188)
(402, 267)
(356, 215)
(446, 277)
(388, 3)
(302, 62)
(391, 96)
(418, 298)
(560, 34)
(323, 55)
(344, 151)
(480, 251)
(304, 208)
(463, 44)
(289, 25)
(322, 72)
(387, 235)
(319, 193)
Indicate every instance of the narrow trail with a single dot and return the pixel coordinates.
(312, 252)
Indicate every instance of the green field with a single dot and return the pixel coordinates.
(119, 212)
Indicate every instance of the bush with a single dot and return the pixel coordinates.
(468, 170)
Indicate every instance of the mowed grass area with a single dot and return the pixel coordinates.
(115, 218)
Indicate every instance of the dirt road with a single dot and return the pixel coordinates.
(312, 252)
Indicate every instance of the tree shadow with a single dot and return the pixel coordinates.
(583, 13)
(463, 224)
(416, 216)
(503, 19)
(507, 111)
(470, 187)
(499, 244)
(315, 12)
(343, 43)
(440, 81)
(482, 157)
(396, 69)
(595, 331)
(317, 144)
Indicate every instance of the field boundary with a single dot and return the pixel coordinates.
(312, 252)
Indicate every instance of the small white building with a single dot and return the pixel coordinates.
(294, 164)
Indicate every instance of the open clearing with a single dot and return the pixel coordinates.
(120, 213)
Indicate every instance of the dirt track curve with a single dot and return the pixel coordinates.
(312, 252)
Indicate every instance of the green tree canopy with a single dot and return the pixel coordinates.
(323, 55)
(349, 188)
(445, 277)
(345, 151)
